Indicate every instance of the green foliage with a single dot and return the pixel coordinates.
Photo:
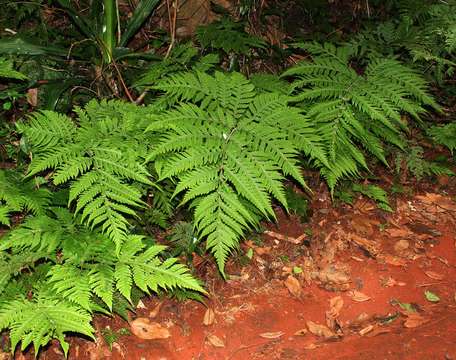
(99, 158)
(356, 110)
(413, 162)
(424, 32)
(110, 336)
(7, 70)
(229, 148)
(444, 135)
(84, 275)
(297, 203)
(183, 57)
(376, 193)
(183, 240)
(19, 195)
(228, 36)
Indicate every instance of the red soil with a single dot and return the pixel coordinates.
(255, 301)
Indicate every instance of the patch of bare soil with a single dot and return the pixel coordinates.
(354, 283)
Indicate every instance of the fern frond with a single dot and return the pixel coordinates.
(355, 112)
(42, 320)
(100, 158)
(444, 135)
(18, 194)
(229, 147)
(7, 70)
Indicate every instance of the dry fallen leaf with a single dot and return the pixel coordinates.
(215, 341)
(358, 296)
(144, 329)
(293, 286)
(332, 278)
(319, 330)
(335, 305)
(398, 232)
(366, 330)
(301, 332)
(310, 346)
(436, 199)
(394, 260)
(140, 305)
(32, 97)
(209, 317)
(272, 335)
(434, 275)
(392, 282)
(401, 245)
(414, 320)
(153, 314)
(262, 250)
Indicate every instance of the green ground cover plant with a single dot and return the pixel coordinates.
(211, 153)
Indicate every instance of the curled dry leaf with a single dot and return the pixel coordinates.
(434, 275)
(293, 286)
(145, 329)
(414, 320)
(215, 341)
(319, 330)
(209, 317)
(272, 335)
(335, 305)
(358, 296)
(153, 314)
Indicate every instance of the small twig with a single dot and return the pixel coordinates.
(141, 97)
(430, 284)
(172, 24)
(127, 92)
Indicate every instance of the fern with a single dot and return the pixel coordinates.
(85, 275)
(228, 36)
(413, 162)
(101, 158)
(43, 319)
(424, 33)
(18, 195)
(346, 194)
(229, 148)
(355, 111)
(183, 57)
(444, 135)
(7, 70)
(375, 193)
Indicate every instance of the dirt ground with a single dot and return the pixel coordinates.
(353, 283)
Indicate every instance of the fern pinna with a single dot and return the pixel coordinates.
(356, 110)
(55, 273)
(102, 156)
(19, 195)
(229, 148)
